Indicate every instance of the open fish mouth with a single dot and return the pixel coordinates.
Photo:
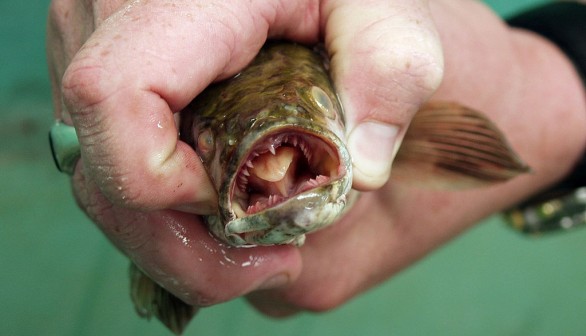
(287, 177)
(281, 166)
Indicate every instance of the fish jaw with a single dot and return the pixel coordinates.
(288, 222)
(316, 184)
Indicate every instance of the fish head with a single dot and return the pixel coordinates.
(288, 177)
(279, 164)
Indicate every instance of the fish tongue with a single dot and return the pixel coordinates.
(273, 172)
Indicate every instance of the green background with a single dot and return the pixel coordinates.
(59, 275)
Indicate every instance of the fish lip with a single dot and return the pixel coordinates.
(268, 127)
(286, 222)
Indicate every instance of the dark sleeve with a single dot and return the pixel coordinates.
(564, 24)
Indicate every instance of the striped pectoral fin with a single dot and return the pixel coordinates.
(150, 300)
(450, 146)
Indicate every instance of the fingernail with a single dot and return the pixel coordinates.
(372, 146)
(276, 281)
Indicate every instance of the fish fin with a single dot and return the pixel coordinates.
(150, 300)
(450, 146)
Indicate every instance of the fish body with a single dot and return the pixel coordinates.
(272, 141)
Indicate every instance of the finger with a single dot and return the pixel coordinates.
(176, 250)
(148, 61)
(386, 60)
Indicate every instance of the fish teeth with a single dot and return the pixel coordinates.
(242, 181)
(238, 210)
(273, 199)
(249, 164)
(305, 150)
(258, 206)
(245, 172)
(253, 207)
(272, 149)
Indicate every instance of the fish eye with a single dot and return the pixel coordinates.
(205, 142)
(323, 101)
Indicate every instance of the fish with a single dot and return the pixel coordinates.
(272, 140)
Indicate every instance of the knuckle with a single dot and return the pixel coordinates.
(398, 48)
(411, 68)
(398, 81)
(82, 85)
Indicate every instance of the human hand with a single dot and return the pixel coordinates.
(121, 69)
(135, 175)
(502, 72)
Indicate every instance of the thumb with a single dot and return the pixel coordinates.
(386, 60)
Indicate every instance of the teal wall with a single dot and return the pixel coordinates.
(509, 7)
(59, 276)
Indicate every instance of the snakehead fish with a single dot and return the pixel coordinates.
(272, 141)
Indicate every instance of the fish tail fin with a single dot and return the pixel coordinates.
(450, 146)
(150, 300)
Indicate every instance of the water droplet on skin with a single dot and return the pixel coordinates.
(179, 231)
